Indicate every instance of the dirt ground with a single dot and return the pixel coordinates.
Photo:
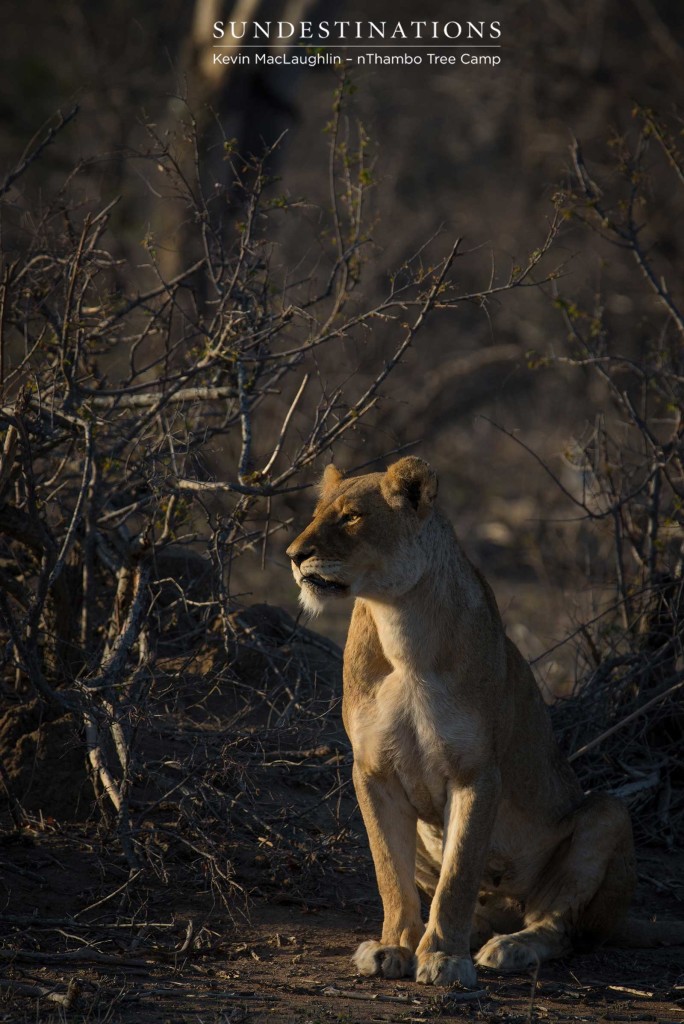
(149, 954)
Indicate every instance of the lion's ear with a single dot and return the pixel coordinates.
(412, 482)
(332, 478)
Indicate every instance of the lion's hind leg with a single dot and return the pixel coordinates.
(429, 841)
(494, 916)
(525, 949)
(582, 894)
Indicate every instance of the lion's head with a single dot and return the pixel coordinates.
(365, 536)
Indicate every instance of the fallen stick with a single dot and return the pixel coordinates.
(642, 993)
(93, 956)
(69, 922)
(455, 996)
(131, 878)
(379, 997)
(250, 995)
(66, 999)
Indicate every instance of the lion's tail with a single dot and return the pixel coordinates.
(635, 933)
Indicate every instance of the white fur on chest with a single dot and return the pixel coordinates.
(407, 640)
(416, 729)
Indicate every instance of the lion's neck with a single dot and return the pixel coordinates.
(416, 627)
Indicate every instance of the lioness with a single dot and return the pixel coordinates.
(461, 785)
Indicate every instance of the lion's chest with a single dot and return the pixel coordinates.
(417, 730)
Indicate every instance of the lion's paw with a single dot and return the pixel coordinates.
(442, 969)
(373, 958)
(506, 953)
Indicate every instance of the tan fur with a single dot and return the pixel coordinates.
(462, 788)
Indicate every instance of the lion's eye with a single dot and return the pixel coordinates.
(349, 518)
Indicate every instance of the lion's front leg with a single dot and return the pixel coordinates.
(443, 955)
(391, 826)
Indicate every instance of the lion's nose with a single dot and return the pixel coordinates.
(300, 555)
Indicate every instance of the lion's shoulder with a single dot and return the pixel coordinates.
(364, 659)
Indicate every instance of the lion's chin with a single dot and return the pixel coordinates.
(314, 596)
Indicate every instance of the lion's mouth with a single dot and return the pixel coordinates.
(319, 583)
